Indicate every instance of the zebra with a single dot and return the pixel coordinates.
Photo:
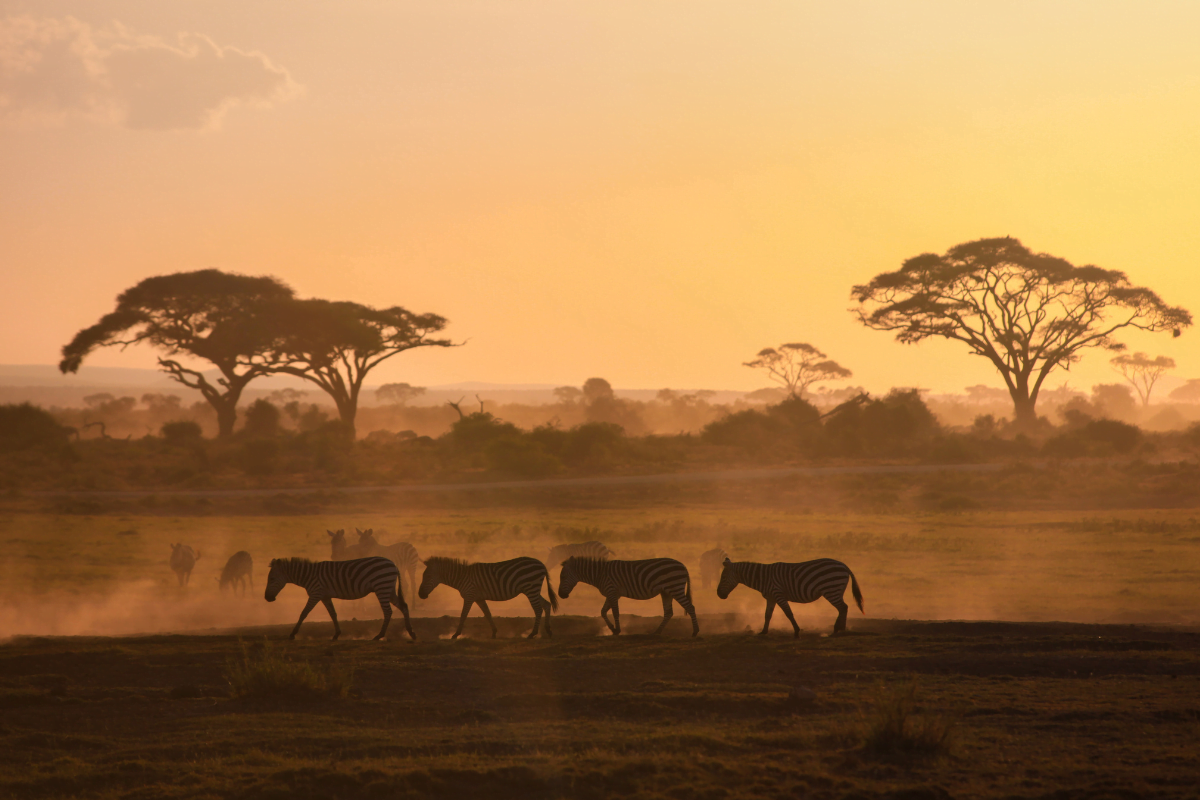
(183, 560)
(238, 570)
(798, 583)
(345, 552)
(402, 554)
(345, 580)
(639, 580)
(711, 563)
(499, 580)
(561, 552)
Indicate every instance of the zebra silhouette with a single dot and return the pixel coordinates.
(561, 552)
(238, 570)
(345, 580)
(402, 554)
(342, 551)
(781, 583)
(499, 580)
(183, 561)
(711, 564)
(637, 580)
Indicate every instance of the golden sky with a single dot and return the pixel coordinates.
(649, 192)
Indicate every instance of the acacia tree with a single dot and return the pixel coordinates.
(336, 344)
(398, 394)
(1142, 372)
(796, 366)
(208, 315)
(1027, 313)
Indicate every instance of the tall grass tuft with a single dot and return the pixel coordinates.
(265, 673)
(895, 728)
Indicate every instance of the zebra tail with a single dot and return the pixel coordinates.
(550, 589)
(857, 594)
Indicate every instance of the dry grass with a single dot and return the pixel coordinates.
(266, 673)
(898, 728)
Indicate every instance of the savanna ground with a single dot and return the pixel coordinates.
(1091, 686)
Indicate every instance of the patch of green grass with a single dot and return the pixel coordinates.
(897, 729)
(263, 672)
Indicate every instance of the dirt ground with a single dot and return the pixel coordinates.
(1037, 710)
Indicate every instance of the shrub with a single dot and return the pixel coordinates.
(183, 431)
(25, 425)
(262, 420)
(522, 456)
(265, 673)
(895, 729)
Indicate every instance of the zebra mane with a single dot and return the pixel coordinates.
(289, 562)
(446, 561)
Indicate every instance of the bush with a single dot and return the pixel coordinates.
(182, 431)
(895, 729)
(1093, 437)
(261, 420)
(265, 673)
(25, 425)
(521, 456)
(260, 456)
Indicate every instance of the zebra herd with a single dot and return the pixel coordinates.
(368, 567)
(360, 572)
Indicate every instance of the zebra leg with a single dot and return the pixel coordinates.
(842, 608)
(546, 607)
(686, 603)
(668, 612)
(400, 604)
(309, 606)
(462, 620)
(386, 604)
(604, 615)
(487, 612)
(767, 621)
(535, 600)
(788, 611)
(337, 631)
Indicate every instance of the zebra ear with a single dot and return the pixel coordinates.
(331, 533)
(358, 531)
(727, 562)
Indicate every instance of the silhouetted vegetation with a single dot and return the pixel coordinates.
(24, 426)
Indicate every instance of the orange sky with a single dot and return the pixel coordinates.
(648, 192)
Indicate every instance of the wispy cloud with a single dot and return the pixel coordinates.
(53, 70)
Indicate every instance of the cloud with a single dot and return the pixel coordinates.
(52, 70)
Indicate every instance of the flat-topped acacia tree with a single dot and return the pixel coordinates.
(336, 344)
(209, 315)
(1027, 313)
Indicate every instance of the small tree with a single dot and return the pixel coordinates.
(398, 394)
(336, 344)
(1027, 313)
(796, 366)
(208, 315)
(1142, 372)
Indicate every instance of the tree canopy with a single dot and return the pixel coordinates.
(1142, 371)
(209, 315)
(796, 366)
(1027, 313)
(336, 344)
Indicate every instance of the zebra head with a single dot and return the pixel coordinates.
(567, 579)
(729, 579)
(367, 536)
(337, 540)
(277, 578)
(438, 569)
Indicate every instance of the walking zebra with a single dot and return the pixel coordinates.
(798, 583)
(345, 580)
(402, 554)
(711, 564)
(638, 580)
(499, 580)
(183, 561)
(561, 552)
(238, 570)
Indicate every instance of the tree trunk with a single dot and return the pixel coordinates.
(1025, 412)
(348, 410)
(226, 417)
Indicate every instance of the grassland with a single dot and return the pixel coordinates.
(1091, 687)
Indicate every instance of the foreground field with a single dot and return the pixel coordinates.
(1030, 709)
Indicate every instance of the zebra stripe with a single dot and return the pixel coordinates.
(345, 580)
(560, 553)
(637, 580)
(499, 580)
(804, 582)
(711, 564)
(402, 554)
